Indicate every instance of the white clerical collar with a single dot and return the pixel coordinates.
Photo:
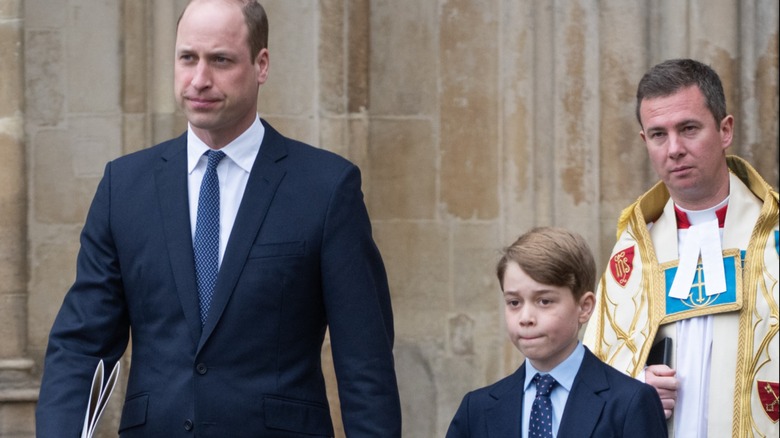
(701, 237)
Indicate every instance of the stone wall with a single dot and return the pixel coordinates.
(472, 121)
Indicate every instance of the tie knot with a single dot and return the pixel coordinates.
(544, 384)
(214, 158)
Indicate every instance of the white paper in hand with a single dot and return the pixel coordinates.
(98, 397)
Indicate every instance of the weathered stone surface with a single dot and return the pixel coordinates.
(469, 108)
(292, 77)
(403, 57)
(11, 91)
(476, 252)
(10, 8)
(44, 82)
(13, 321)
(403, 165)
(74, 161)
(93, 74)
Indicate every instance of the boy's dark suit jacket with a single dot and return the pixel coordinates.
(603, 403)
(300, 259)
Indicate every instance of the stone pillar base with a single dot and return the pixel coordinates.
(18, 396)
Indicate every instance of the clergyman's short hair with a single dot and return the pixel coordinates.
(673, 75)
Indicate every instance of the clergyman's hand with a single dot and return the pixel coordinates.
(661, 377)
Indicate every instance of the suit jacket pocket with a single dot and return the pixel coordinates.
(297, 416)
(134, 412)
(278, 249)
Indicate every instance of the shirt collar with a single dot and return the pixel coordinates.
(564, 373)
(242, 151)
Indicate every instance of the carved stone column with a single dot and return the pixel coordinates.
(18, 391)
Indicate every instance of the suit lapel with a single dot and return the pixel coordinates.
(584, 406)
(171, 179)
(263, 181)
(508, 406)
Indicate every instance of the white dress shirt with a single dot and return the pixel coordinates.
(564, 374)
(233, 172)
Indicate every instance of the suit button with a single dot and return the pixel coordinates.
(201, 368)
(188, 425)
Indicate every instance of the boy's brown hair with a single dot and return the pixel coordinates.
(552, 256)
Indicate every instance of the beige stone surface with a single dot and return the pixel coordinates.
(476, 250)
(11, 92)
(74, 162)
(403, 57)
(402, 159)
(332, 57)
(13, 322)
(292, 45)
(15, 420)
(469, 109)
(416, 256)
(10, 8)
(93, 72)
(45, 84)
(135, 60)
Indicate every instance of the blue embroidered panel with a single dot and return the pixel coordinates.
(698, 297)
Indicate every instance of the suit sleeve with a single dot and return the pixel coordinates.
(359, 313)
(92, 324)
(645, 415)
(459, 426)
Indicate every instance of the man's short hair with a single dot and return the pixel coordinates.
(673, 75)
(256, 23)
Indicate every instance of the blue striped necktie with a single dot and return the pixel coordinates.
(206, 242)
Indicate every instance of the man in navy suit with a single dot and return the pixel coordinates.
(296, 257)
(547, 277)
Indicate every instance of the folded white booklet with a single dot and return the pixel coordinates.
(98, 397)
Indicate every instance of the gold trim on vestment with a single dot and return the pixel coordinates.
(756, 278)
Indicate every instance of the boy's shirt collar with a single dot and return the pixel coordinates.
(564, 373)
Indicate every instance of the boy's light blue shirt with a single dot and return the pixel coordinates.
(564, 374)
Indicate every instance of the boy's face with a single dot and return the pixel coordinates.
(543, 321)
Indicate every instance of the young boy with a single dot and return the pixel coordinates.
(547, 277)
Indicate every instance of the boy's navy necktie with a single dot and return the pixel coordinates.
(540, 424)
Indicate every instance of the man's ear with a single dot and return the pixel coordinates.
(261, 66)
(727, 131)
(587, 304)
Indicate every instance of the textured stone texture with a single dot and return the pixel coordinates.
(469, 108)
(18, 388)
(471, 122)
(402, 162)
(403, 57)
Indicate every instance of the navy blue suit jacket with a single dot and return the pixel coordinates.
(602, 403)
(300, 259)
